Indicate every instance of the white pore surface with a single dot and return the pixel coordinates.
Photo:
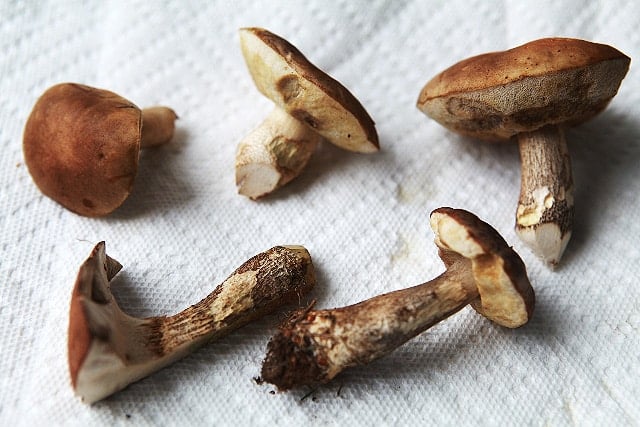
(364, 218)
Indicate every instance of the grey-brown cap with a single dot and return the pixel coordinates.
(506, 295)
(285, 76)
(548, 81)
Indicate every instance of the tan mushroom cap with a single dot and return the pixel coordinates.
(81, 146)
(548, 81)
(506, 295)
(283, 74)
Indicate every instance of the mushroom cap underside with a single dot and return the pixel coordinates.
(506, 295)
(284, 75)
(548, 81)
(81, 145)
(92, 285)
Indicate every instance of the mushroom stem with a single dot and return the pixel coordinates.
(482, 270)
(325, 342)
(273, 154)
(544, 218)
(109, 350)
(158, 125)
(280, 275)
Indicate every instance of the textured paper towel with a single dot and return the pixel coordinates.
(364, 218)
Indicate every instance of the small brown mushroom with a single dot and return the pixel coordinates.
(109, 349)
(81, 145)
(531, 92)
(310, 106)
(313, 346)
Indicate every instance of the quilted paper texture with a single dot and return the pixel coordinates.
(364, 218)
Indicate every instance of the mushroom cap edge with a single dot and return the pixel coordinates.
(285, 76)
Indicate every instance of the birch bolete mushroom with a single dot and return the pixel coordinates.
(314, 346)
(310, 106)
(531, 92)
(109, 349)
(81, 145)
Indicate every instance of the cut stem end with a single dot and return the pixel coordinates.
(158, 126)
(273, 154)
(544, 218)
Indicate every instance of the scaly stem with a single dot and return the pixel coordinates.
(314, 346)
(544, 218)
(280, 276)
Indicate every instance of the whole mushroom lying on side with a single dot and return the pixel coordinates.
(531, 92)
(314, 346)
(82, 144)
(310, 106)
(109, 349)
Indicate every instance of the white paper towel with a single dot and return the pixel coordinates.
(364, 218)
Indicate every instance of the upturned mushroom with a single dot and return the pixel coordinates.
(531, 92)
(314, 346)
(81, 145)
(109, 349)
(310, 107)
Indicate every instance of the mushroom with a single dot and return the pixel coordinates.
(109, 349)
(310, 106)
(531, 92)
(314, 346)
(81, 145)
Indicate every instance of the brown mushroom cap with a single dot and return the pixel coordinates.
(548, 81)
(81, 145)
(506, 295)
(283, 74)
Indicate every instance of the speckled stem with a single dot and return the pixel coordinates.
(315, 345)
(544, 218)
(279, 276)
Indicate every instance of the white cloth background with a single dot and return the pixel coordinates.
(364, 218)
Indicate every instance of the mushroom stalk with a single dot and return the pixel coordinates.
(158, 125)
(531, 92)
(109, 349)
(273, 154)
(544, 217)
(313, 346)
(363, 332)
